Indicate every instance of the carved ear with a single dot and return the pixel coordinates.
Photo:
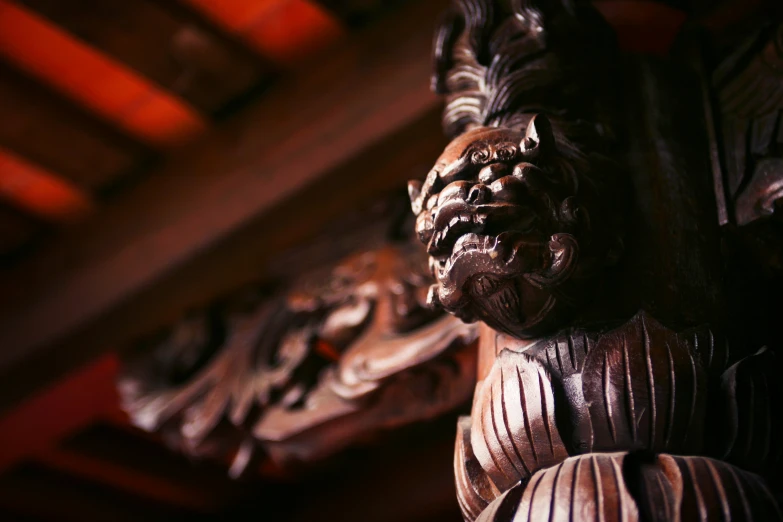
(564, 254)
(419, 193)
(414, 193)
(539, 137)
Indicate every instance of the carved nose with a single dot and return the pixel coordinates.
(492, 172)
(479, 194)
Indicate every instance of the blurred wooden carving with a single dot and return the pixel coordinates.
(342, 355)
(587, 407)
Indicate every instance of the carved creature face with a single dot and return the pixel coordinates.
(500, 220)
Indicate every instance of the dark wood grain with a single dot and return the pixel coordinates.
(752, 396)
(17, 233)
(49, 131)
(50, 494)
(163, 43)
(357, 13)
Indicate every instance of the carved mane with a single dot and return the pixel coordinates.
(499, 63)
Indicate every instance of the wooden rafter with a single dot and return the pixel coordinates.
(299, 132)
(94, 80)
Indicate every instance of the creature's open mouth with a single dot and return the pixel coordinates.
(487, 267)
(457, 219)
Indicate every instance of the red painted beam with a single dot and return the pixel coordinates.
(39, 423)
(40, 193)
(284, 31)
(94, 80)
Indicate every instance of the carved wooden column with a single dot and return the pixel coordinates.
(608, 219)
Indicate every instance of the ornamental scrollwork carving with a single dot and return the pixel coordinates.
(341, 355)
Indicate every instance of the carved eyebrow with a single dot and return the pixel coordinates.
(456, 169)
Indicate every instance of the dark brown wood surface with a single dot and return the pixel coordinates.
(16, 232)
(41, 126)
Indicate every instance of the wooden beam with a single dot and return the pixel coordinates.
(302, 130)
(40, 193)
(49, 131)
(94, 80)
(138, 464)
(287, 32)
(129, 480)
(162, 43)
(38, 424)
(17, 232)
(46, 494)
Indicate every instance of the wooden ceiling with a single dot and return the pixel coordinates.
(94, 93)
(143, 146)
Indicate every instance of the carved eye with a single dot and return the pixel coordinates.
(479, 156)
(506, 152)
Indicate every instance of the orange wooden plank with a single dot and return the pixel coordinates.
(39, 192)
(94, 80)
(284, 31)
(77, 401)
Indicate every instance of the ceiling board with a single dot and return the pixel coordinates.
(94, 80)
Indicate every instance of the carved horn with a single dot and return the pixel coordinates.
(539, 137)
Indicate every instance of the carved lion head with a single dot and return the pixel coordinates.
(505, 219)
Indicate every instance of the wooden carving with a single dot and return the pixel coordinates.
(639, 387)
(636, 488)
(515, 213)
(336, 358)
(568, 232)
(749, 108)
